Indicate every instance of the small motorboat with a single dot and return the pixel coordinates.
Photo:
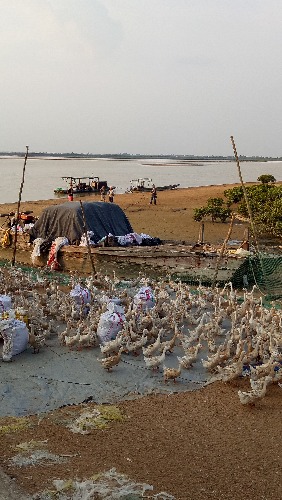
(146, 184)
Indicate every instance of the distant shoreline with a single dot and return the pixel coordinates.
(124, 157)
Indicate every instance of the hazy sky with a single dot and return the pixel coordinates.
(141, 76)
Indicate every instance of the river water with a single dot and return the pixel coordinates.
(43, 175)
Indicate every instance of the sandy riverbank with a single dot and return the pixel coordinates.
(171, 218)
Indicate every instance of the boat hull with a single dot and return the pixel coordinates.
(61, 191)
(177, 260)
(139, 189)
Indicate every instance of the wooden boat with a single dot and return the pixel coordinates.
(194, 263)
(89, 184)
(146, 184)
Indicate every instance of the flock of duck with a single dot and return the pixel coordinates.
(231, 334)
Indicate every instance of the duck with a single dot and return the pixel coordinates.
(134, 346)
(64, 333)
(73, 340)
(171, 373)
(192, 350)
(260, 371)
(87, 340)
(152, 348)
(230, 372)
(113, 345)
(170, 344)
(249, 397)
(155, 361)
(7, 348)
(35, 341)
(222, 354)
(111, 361)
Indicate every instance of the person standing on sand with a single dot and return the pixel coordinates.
(70, 194)
(103, 193)
(153, 195)
(111, 194)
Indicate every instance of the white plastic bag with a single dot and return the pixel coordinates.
(80, 295)
(110, 323)
(5, 303)
(15, 335)
(144, 299)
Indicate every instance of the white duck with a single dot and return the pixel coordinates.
(155, 361)
(250, 397)
(134, 346)
(72, 340)
(113, 345)
(171, 373)
(152, 348)
(87, 340)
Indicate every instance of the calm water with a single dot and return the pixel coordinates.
(42, 176)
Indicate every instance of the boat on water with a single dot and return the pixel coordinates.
(78, 185)
(146, 184)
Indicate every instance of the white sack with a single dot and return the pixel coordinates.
(80, 295)
(5, 303)
(144, 299)
(110, 323)
(15, 335)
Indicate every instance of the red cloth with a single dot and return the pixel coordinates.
(52, 259)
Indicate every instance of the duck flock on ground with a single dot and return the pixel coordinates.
(232, 334)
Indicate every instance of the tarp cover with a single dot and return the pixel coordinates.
(66, 220)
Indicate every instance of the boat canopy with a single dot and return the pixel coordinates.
(142, 182)
(78, 181)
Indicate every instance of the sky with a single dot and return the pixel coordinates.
(141, 76)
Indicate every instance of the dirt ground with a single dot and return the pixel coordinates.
(195, 445)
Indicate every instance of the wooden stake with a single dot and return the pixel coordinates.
(18, 210)
(245, 194)
(87, 239)
(223, 249)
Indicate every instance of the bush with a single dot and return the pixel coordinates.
(199, 214)
(234, 195)
(266, 179)
(215, 209)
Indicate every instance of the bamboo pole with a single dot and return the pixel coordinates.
(245, 194)
(18, 209)
(201, 234)
(222, 249)
(249, 211)
(87, 239)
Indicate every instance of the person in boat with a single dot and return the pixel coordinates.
(153, 195)
(103, 193)
(111, 194)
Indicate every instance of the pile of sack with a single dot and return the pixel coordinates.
(13, 331)
(112, 321)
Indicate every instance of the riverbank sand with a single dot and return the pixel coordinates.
(170, 219)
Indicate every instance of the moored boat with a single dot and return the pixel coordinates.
(179, 259)
(78, 185)
(146, 184)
